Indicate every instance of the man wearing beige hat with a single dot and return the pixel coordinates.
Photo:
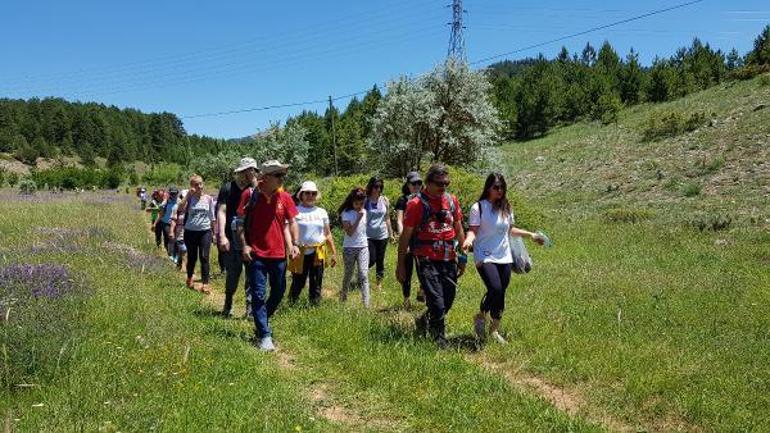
(268, 232)
(244, 177)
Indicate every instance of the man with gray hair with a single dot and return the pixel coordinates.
(244, 177)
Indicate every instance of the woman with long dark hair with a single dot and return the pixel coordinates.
(378, 229)
(491, 222)
(411, 186)
(355, 248)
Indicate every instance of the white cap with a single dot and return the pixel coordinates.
(246, 163)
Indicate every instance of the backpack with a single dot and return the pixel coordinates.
(245, 221)
(427, 214)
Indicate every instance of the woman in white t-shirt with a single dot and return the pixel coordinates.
(355, 244)
(317, 243)
(490, 223)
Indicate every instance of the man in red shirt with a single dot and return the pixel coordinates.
(432, 224)
(267, 230)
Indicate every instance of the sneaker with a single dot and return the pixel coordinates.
(227, 314)
(205, 289)
(266, 344)
(497, 337)
(189, 283)
(479, 325)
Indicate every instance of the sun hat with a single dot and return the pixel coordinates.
(273, 166)
(245, 164)
(308, 186)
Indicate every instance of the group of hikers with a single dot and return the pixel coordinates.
(261, 230)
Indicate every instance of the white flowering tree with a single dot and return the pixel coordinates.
(444, 116)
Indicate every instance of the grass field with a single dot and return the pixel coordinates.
(647, 326)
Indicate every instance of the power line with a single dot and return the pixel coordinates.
(475, 62)
(343, 21)
(193, 62)
(271, 107)
(591, 30)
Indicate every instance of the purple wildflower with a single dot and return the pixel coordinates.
(44, 280)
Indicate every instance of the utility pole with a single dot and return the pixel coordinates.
(334, 136)
(456, 39)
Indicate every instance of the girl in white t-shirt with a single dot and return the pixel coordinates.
(355, 245)
(317, 242)
(490, 223)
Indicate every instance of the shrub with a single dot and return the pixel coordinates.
(714, 222)
(12, 179)
(74, 177)
(164, 174)
(691, 189)
(628, 215)
(27, 187)
(607, 108)
(764, 80)
(670, 124)
(750, 71)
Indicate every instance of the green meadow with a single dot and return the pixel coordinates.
(649, 314)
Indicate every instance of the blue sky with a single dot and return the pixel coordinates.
(193, 57)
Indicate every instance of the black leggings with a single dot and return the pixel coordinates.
(198, 244)
(158, 233)
(377, 255)
(496, 277)
(406, 286)
(316, 275)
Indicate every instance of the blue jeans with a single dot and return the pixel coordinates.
(259, 271)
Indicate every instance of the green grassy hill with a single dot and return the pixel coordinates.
(587, 167)
(636, 321)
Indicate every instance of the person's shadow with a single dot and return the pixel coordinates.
(401, 328)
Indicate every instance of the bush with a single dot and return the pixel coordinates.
(12, 179)
(607, 108)
(164, 174)
(27, 187)
(750, 71)
(764, 80)
(74, 177)
(626, 215)
(670, 124)
(691, 189)
(712, 223)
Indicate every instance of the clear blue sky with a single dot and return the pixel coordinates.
(192, 57)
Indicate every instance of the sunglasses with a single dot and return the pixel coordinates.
(417, 183)
(311, 193)
(278, 175)
(443, 184)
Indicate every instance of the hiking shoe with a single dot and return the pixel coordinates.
(266, 344)
(480, 325)
(421, 296)
(497, 337)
